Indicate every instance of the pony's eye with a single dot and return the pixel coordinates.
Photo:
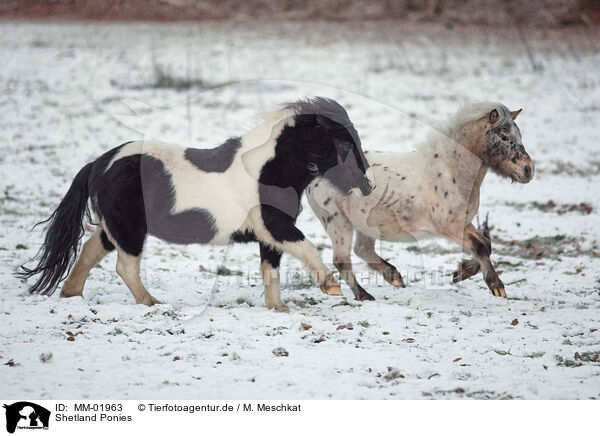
(347, 146)
(503, 136)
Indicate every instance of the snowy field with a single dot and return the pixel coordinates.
(69, 92)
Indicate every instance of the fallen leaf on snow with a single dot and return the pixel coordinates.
(281, 352)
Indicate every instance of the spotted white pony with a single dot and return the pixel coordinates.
(433, 191)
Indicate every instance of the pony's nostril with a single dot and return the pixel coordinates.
(527, 171)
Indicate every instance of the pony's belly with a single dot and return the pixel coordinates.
(194, 226)
(390, 225)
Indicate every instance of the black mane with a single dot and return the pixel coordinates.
(325, 107)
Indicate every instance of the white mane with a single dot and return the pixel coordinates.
(466, 114)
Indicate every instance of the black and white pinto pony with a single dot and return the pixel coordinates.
(247, 189)
(432, 191)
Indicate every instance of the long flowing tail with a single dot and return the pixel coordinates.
(59, 250)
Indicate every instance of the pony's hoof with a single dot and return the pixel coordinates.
(499, 292)
(332, 290)
(393, 277)
(69, 294)
(150, 301)
(456, 276)
(280, 307)
(365, 296)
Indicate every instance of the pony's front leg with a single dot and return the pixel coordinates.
(309, 255)
(269, 268)
(282, 233)
(473, 241)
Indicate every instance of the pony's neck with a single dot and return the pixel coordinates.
(289, 167)
(468, 139)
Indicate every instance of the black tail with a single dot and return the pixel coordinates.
(62, 237)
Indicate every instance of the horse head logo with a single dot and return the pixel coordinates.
(24, 414)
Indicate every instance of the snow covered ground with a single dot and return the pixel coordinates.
(68, 92)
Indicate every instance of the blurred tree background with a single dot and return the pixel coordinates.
(483, 12)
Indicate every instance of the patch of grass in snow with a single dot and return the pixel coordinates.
(161, 312)
(570, 169)
(542, 247)
(480, 394)
(569, 363)
(551, 206)
(242, 300)
(579, 359)
(537, 247)
(435, 250)
(224, 271)
(534, 355)
(116, 331)
(165, 78)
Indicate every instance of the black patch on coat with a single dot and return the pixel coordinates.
(108, 246)
(135, 197)
(245, 236)
(214, 160)
(322, 142)
(270, 255)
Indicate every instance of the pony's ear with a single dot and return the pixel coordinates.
(494, 115)
(515, 114)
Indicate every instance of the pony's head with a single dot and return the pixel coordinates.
(335, 151)
(502, 148)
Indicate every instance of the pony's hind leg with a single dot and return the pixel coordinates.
(269, 268)
(340, 231)
(92, 251)
(365, 249)
(128, 267)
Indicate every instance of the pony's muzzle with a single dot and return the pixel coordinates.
(526, 171)
(364, 188)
